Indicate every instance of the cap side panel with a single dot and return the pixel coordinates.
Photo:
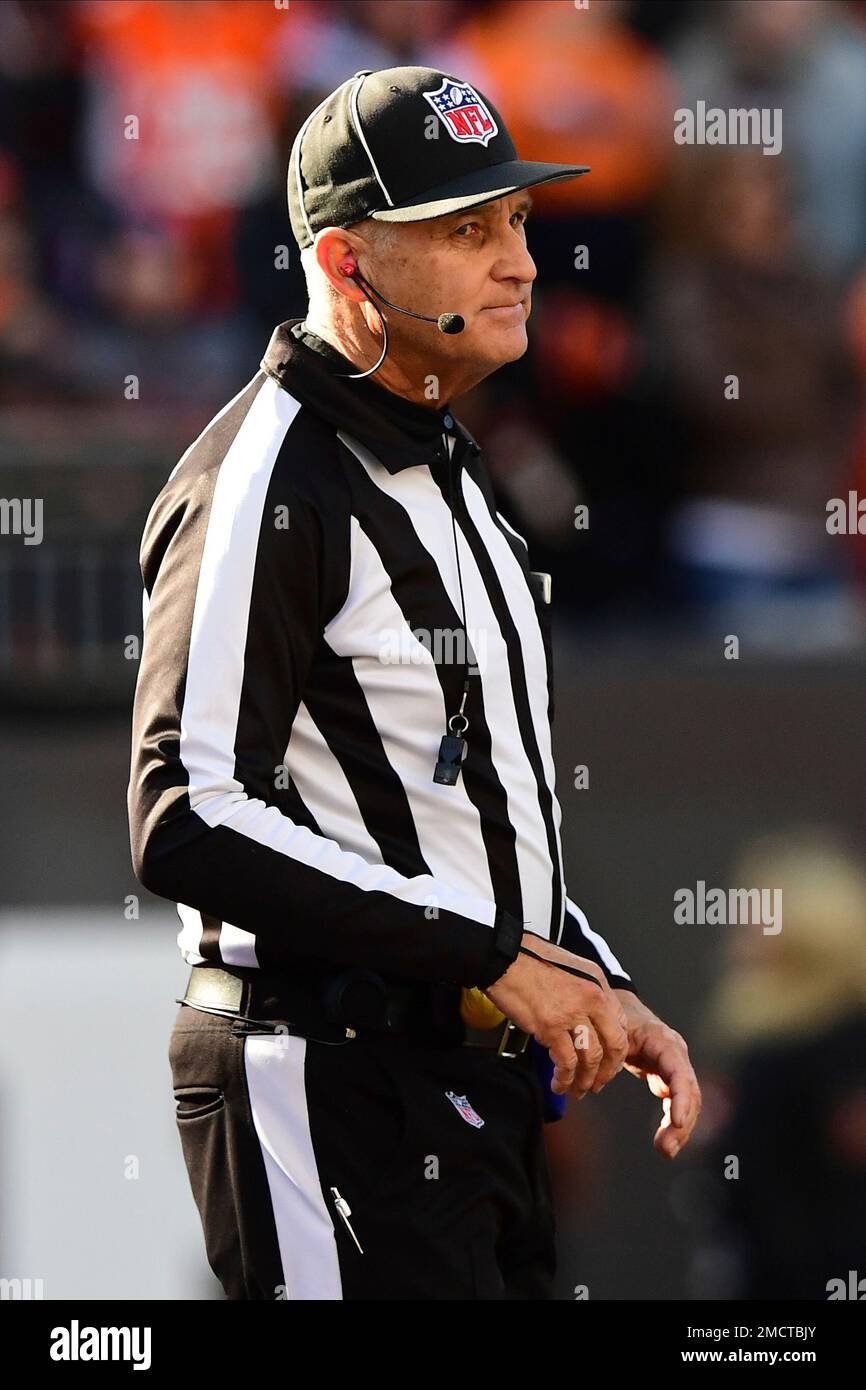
(359, 130)
(299, 140)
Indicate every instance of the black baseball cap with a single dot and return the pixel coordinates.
(400, 145)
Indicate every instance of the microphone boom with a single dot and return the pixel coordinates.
(446, 323)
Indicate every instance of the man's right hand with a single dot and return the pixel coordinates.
(550, 1004)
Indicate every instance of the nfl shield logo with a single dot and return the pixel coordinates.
(462, 1105)
(463, 113)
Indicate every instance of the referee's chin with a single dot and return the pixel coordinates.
(496, 344)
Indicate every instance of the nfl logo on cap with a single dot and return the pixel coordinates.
(463, 113)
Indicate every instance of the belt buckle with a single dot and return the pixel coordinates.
(521, 1041)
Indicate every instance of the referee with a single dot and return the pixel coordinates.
(341, 755)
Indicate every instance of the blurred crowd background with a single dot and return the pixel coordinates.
(154, 257)
(139, 285)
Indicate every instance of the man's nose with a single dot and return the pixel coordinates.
(515, 262)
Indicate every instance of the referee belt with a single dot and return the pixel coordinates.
(353, 1005)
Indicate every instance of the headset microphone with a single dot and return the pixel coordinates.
(446, 323)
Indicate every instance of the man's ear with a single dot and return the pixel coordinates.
(335, 252)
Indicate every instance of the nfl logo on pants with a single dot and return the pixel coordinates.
(461, 1104)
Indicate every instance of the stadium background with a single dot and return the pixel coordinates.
(138, 289)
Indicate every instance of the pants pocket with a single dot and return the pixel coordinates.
(205, 1097)
(194, 1102)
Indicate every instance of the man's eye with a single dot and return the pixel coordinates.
(467, 226)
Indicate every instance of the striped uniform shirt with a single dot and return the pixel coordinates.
(304, 646)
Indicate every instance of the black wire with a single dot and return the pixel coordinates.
(459, 571)
(559, 966)
(365, 284)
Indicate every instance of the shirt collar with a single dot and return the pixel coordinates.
(398, 432)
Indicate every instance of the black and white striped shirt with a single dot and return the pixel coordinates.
(301, 590)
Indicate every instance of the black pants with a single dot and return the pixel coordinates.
(276, 1130)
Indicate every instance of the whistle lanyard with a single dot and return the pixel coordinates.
(453, 745)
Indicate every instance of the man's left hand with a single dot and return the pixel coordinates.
(659, 1055)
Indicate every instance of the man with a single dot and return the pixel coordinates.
(342, 769)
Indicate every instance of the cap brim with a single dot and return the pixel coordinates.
(483, 186)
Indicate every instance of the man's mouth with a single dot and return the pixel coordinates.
(510, 309)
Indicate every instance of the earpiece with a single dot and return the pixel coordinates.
(347, 268)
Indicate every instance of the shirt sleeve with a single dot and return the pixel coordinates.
(579, 937)
(236, 598)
